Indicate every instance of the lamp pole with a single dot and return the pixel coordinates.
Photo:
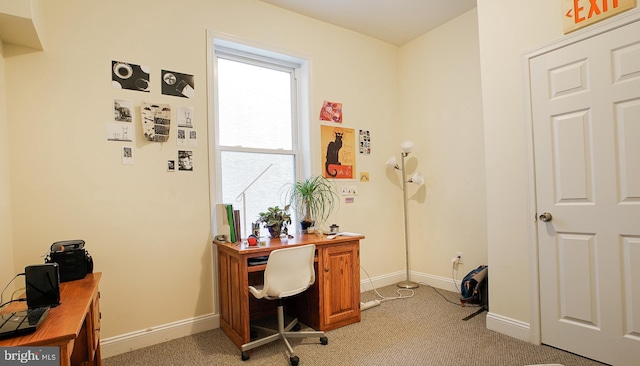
(407, 283)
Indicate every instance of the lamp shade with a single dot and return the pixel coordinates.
(392, 162)
(406, 146)
(417, 178)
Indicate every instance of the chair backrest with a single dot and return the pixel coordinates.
(289, 271)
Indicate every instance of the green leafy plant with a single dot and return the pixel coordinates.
(276, 220)
(313, 199)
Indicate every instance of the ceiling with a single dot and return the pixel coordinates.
(393, 21)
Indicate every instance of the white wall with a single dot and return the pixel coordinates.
(18, 8)
(441, 110)
(149, 230)
(6, 247)
(507, 30)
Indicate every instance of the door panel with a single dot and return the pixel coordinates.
(572, 160)
(631, 273)
(628, 134)
(578, 293)
(586, 128)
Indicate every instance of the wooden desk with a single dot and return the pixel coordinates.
(74, 325)
(331, 302)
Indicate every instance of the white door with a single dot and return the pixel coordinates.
(586, 129)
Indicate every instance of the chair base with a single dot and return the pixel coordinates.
(282, 333)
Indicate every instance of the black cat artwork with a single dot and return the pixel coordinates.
(332, 154)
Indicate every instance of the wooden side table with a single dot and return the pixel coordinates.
(74, 325)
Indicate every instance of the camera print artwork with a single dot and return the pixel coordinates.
(130, 76)
(177, 84)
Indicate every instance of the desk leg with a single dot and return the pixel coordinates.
(65, 353)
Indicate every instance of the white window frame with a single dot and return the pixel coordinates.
(222, 46)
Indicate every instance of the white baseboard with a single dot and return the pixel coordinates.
(148, 337)
(393, 278)
(368, 284)
(507, 326)
(143, 338)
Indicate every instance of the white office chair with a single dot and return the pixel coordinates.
(289, 272)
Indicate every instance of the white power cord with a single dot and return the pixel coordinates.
(454, 271)
(454, 267)
(385, 298)
(376, 302)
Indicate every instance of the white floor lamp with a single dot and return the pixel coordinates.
(418, 179)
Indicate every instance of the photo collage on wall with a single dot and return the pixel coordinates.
(365, 142)
(155, 118)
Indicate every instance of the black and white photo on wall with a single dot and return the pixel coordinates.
(123, 110)
(193, 138)
(177, 84)
(187, 137)
(119, 132)
(127, 155)
(130, 76)
(185, 160)
(184, 115)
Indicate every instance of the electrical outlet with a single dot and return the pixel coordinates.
(349, 191)
(460, 257)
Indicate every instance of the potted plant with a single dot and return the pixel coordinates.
(313, 199)
(276, 219)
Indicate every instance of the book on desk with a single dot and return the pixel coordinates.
(228, 222)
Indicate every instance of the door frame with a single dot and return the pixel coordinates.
(631, 16)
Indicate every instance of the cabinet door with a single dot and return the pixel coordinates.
(341, 285)
(234, 308)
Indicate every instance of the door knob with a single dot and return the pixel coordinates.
(545, 217)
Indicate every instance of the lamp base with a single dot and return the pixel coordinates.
(408, 284)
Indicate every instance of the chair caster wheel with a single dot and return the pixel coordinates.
(294, 360)
(296, 327)
(244, 355)
(324, 341)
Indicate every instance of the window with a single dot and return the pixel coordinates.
(256, 131)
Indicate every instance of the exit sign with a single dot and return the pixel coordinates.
(581, 13)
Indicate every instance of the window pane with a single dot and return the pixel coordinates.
(240, 169)
(254, 106)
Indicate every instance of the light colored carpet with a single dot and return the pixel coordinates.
(423, 330)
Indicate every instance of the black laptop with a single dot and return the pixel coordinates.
(22, 322)
(43, 291)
